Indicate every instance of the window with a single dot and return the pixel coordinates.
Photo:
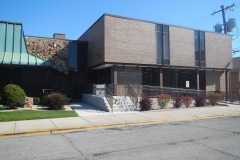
(200, 48)
(163, 53)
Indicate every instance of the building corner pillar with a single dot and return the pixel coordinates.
(198, 80)
(161, 77)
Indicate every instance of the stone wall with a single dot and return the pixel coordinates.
(53, 50)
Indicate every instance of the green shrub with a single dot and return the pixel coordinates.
(44, 100)
(56, 101)
(13, 96)
(200, 100)
(36, 100)
(145, 104)
(217, 91)
(177, 102)
(163, 99)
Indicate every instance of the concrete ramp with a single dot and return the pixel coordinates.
(85, 109)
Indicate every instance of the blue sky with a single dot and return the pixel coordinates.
(74, 17)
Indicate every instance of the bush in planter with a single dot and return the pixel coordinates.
(36, 100)
(214, 98)
(163, 99)
(13, 96)
(56, 101)
(44, 100)
(232, 97)
(177, 102)
(186, 100)
(145, 104)
(217, 91)
(200, 100)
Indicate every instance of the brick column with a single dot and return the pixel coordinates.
(198, 79)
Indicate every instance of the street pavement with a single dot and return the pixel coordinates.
(91, 119)
(208, 139)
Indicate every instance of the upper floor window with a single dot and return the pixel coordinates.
(200, 59)
(163, 53)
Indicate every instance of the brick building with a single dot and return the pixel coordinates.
(130, 51)
(119, 50)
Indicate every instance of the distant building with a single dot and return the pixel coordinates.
(117, 50)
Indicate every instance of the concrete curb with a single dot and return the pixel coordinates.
(69, 129)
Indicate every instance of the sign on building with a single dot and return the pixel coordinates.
(187, 84)
(100, 90)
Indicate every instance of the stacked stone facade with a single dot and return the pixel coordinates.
(53, 50)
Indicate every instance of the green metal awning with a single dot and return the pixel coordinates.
(13, 50)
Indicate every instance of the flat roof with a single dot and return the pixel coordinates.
(147, 21)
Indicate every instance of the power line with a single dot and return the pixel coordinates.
(204, 20)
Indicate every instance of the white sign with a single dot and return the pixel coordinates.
(187, 84)
(100, 90)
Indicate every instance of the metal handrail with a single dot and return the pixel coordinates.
(133, 95)
(109, 96)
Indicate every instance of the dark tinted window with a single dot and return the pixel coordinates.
(200, 48)
(163, 54)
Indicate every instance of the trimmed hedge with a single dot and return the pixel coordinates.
(56, 101)
(36, 100)
(13, 96)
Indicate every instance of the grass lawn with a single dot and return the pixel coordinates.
(33, 114)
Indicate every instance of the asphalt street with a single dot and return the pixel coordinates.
(208, 139)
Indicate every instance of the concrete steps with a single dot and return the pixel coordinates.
(123, 104)
(120, 103)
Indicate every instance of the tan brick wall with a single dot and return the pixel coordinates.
(235, 82)
(95, 38)
(129, 41)
(182, 47)
(218, 50)
(236, 63)
(215, 80)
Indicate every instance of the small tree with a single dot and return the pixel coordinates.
(214, 98)
(177, 102)
(13, 96)
(163, 99)
(200, 100)
(186, 100)
(145, 104)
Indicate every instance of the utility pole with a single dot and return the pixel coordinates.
(223, 15)
(223, 9)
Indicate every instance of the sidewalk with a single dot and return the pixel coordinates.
(115, 119)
